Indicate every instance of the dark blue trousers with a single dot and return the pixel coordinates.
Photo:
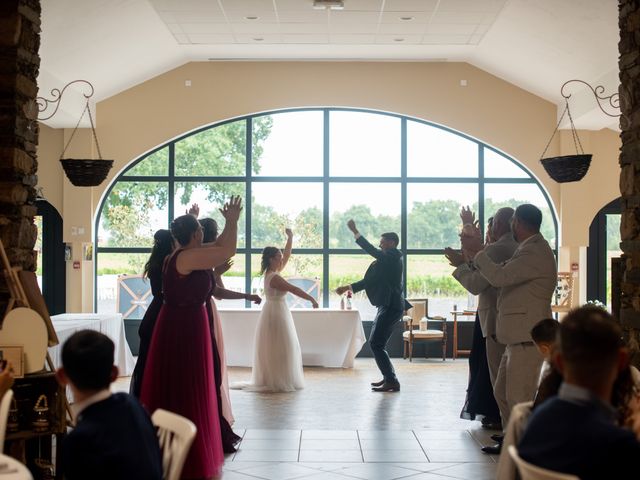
(383, 325)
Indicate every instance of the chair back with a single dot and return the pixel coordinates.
(176, 435)
(564, 293)
(133, 296)
(531, 472)
(308, 285)
(5, 405)
(417, 312)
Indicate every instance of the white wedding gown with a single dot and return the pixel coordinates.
(277, 359)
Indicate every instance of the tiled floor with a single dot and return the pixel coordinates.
(337, 429)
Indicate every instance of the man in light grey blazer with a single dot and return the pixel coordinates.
(527, 283)
(501, 250)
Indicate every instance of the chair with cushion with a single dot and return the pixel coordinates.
(531, 472)
(5, 405)
(308, 285)
(176, 435)
(416, 327)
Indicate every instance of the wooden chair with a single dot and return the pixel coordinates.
(564, 293)
(416, 327)
(531, 472)
(176, 435)
(5, 405)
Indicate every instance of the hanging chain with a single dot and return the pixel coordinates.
(556, 129)
(87, 109)
(574, 132)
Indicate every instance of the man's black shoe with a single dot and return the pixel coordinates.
(497, 437)
(387, 387)
(377, 384)
(493, 449)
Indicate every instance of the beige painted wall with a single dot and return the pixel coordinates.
(489, 109)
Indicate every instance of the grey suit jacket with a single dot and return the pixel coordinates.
(527, 283)
(475, 283)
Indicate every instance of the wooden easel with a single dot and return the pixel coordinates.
(20, 298)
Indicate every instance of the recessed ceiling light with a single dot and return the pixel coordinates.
(398, 39)
(328, 4)
(258, 39)
(251, 17)
(406, 19)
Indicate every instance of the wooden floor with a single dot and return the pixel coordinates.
(338, 429)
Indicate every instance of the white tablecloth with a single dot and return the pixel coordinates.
(110, 324)
(328, 337)
(11, 469)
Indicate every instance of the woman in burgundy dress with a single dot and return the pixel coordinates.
(162, 247)
(179, 374)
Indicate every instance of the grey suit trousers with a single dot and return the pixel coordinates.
(517, 379)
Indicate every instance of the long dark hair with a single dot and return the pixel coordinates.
(210, 227)
(267, 254)
(183, 228)
(162, 246)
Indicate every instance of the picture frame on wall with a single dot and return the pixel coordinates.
(87, 252)
(67, 252)
(14, 355)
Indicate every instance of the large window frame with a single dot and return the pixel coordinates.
(326, 180)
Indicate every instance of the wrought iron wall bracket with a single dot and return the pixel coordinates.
(45, 104)
(612, 100)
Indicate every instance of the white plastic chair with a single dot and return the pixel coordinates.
(5, 405)
(176, 435)
(531, 472)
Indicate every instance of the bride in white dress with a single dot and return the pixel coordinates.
(277, 360)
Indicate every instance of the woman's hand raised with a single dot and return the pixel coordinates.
(232, 209)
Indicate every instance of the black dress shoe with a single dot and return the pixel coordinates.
(387, 387)
(377, 384)
(493, 449)
(498, 437)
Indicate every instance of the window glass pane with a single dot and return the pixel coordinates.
(111, 266)
(155, 164)
(364, 145)
(132, 213)
(234, 280)
(347, 269)
(433, 213)
(497, 166)
(218, 151)
(210, 197)
(280, 205)
(613, 247)
(512, 195)
(434, 152)
(375, 207)
(429, 276)
(288, 144)
(303, 271)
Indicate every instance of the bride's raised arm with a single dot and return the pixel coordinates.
(279, 283)
(287, 248)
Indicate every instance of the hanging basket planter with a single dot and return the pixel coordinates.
(567, 168)
(84, 172)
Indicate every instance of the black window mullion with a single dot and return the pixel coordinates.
(481, 212)
(325, 211)
(403, 201)
(172, 187)
(248, 206)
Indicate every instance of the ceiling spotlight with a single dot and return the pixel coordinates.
(398, 39)
(258, 39)
(406, 19)
(251, 17)
(328, 4)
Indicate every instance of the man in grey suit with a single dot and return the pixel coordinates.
(501, 250)
(527, 283)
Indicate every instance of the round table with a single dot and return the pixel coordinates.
(11, 469)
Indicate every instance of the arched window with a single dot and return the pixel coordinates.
(313, 169)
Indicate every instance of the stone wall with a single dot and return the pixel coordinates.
(629, 63)
(19, 64)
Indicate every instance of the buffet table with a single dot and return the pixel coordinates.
(110, 324)
(328, 337)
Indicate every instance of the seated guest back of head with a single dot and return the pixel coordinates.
(114, 436)
(576, 431)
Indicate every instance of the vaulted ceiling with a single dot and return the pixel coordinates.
(534, 44)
